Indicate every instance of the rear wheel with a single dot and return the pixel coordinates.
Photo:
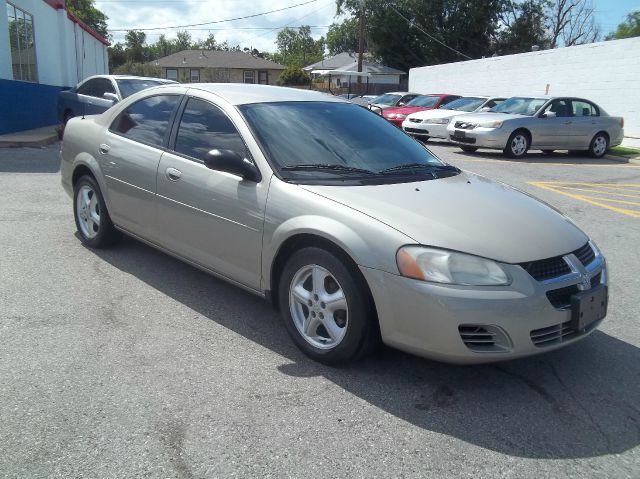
(91, 215)
(517, 145)
(599, 145)
(469, 149)
(327, 311)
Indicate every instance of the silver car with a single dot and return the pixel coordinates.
(354, 230)
(542, 123)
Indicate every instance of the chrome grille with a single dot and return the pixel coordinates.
(415, 120)
(553, 267)
(463, 125)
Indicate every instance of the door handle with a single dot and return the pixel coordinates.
(104, 149)
(173, 174)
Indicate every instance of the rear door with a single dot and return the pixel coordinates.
(210, 217)
(129, 155)
(586, 118)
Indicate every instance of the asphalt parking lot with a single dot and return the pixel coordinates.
(128, 363)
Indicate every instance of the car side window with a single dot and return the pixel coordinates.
(584, 108)
(147, 120)
(562, 108)
(102, 86)
(449, 99)
(205, 127)
(492, 103)
(88, 87)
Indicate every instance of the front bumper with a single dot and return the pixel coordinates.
(421, 130)
(430, 320)
(495, 138)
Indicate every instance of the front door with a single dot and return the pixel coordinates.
(554, 132)
(129, 154)
(210, 217)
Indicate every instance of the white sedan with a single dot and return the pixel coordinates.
(433, 123)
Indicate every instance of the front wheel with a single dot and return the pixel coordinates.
(326, 308)
(599, 145)
(518, 144)
(91, 215)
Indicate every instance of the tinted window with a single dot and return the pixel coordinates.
(584, 108)
(129, 86)
(469, 103)
(147, 120)
(204, 127)
(386, 99)
(562, 108)
(347, 135)
(88, 88)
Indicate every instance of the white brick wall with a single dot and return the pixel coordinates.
(606, 72)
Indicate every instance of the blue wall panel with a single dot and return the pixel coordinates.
(25, 105)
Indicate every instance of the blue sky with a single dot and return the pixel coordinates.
(260, 32)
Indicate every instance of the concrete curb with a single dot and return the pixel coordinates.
(29, 139)
(624, 159)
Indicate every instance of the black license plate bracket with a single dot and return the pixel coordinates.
(460, 134)
(588, 307)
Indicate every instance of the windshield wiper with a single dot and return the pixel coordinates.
(322, 166)
(411, 166)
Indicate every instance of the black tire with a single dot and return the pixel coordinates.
(104, 233)
(511, 149)
(469, 149)
(599, 145)
(547, 152)
(361, 336)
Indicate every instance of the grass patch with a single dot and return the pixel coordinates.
(624, 151)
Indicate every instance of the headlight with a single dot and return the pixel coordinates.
(437, 121)
(448, 267)
(400, 116)
(490, 124)
(390, 115)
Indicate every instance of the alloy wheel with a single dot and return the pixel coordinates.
(88, 211)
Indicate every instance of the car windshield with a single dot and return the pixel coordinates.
(386, 99)
(320, 141)
(520, 106)
(129, 86)
(464, 104)
(426, 101)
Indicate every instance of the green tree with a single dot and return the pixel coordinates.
(343, 37)
(523, 24)
(86, 11)
(294, 76)
(135, 43)
(627, 29)
(139, 69)
(408, 33)
(209, 43)
(296, 47)
(183, 41)
(117, 56)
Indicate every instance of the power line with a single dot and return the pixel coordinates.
(211, 23)
(411, 23)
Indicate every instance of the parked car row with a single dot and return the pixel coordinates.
(514, 125)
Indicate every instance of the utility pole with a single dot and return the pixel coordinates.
(360, 43)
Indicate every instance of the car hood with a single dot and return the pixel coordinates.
(487, 116)
(467, 213)
(405, 110)
(438, 113)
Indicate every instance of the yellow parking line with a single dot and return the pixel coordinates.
(598, 190)
(609, 185)
(624, 211)
(611, 200)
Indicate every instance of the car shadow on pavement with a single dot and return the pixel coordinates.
(533, 157)
(579, 402)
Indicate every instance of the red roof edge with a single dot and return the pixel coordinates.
(60, 5)
(87, 28)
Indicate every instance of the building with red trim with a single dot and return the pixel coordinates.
(43, 48)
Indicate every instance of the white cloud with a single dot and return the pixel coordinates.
(130, 14)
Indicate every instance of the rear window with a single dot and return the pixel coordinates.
(147, 121)
(129, 86)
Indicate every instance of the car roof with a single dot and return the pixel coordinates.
(128, 77)
(241, 93)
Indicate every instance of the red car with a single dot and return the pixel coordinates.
(419, 103)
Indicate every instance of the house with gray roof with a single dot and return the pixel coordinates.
(192, 66)
(348, 62)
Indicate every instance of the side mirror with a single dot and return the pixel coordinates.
(486, 108)
(549, 114)
(111, 96)
(230, 162)
(401, 103)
